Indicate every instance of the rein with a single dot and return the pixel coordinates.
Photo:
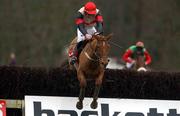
(87, 55)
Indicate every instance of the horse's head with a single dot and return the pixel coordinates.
(102, 48)
(140, 62)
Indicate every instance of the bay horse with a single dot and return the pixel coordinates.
(91, 64)
(139, 63)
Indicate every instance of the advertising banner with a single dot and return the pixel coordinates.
(66, 106)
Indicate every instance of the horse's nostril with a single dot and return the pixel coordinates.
(104, 64)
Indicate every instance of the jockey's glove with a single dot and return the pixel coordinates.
(88, 36)
(146, 63)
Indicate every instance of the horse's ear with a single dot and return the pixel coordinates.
(109, 36)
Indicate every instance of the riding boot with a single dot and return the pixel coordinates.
(80, 46)
(77, 50)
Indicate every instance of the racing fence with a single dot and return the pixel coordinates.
(16, 82)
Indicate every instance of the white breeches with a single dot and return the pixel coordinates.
(81, 37)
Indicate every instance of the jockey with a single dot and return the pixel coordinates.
(132, 51)
(89, 21)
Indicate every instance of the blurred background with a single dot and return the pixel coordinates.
(37, 32)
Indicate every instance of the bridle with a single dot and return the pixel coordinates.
(97, 58)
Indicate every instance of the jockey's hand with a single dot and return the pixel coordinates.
(88, 36)
(146, 63)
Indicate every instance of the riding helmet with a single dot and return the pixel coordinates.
(90, 8)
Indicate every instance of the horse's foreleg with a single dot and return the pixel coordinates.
(82, 81)
(81, 94)
(95, 97)
(96, 91)
(79, 104)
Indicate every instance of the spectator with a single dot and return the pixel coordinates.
(12, 59)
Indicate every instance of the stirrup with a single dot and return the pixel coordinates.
(73, 60)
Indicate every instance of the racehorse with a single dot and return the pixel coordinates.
(91, 64)
(139, 64)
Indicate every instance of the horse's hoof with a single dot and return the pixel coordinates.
(79, 105)
(94, 104)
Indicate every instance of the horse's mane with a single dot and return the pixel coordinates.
(90, 43)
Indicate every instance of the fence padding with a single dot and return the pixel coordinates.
(15, 82)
